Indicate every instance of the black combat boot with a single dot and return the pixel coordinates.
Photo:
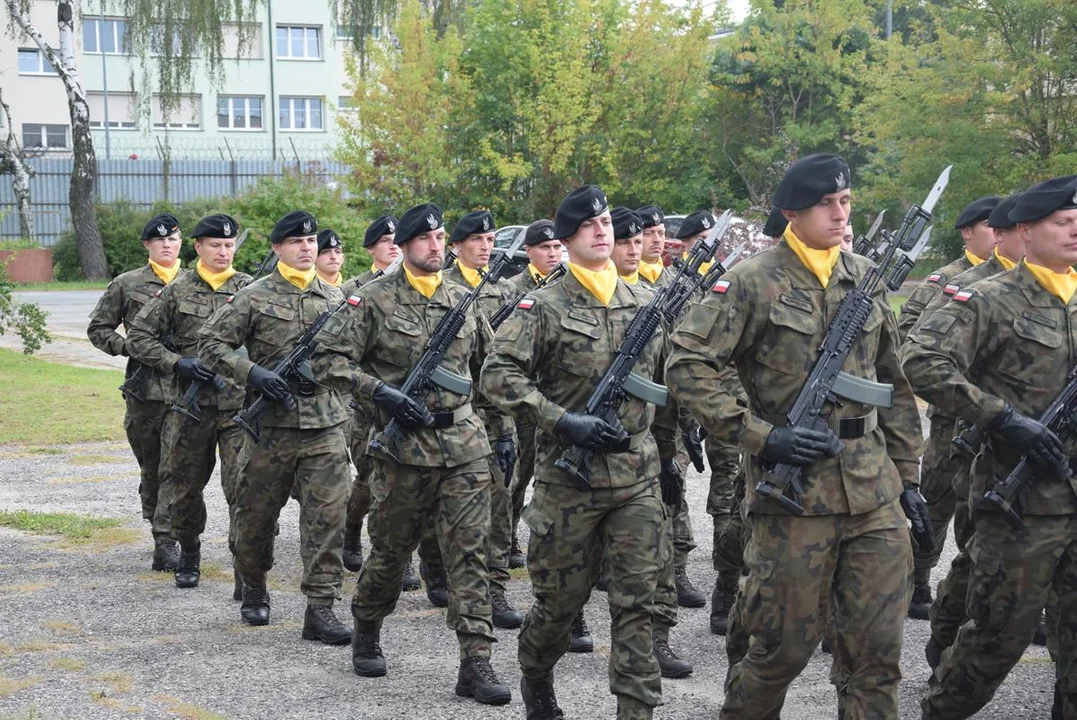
(1040, 638)
(353, 548)
(920, 607)
(410, 581)
(725, 592)
(367, 659)
(505, 616)
(670, 665)
(478, 680)
(321, 624)
(516, 557)
(255, 607)
(437, 585)
(539, 699)
(687, 594)
(188, 570)
(824, 646)
(165, 554)
(580, 640)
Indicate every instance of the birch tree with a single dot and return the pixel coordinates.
(13, 161)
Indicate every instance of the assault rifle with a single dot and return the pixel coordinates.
(428, 372)
(619, 381)
(505, 310)
(1060, 417)
(826, 382)
(134, 387)
(865, 244)
(966, 443)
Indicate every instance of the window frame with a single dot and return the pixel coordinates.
(42, 62)
(119, 40)
(278, 46)
(44, 130)
(178, 127)
(246, 114)
(306, 106)
(115, 124)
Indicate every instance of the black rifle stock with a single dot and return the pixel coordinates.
(505, 310)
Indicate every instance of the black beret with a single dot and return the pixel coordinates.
(652, 215)
(809, 179)
(480, 221)
(582, 203)
(385, 225)
(626, 223)
(775, 224)
(328, 239)
(976, 211)
(696, 223)
(160, 226)
(298, 223)
(1044, 198)
(539, 232)
(418, 220)
(216, 226)
(1000, 216)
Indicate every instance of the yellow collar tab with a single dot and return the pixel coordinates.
(1006, 262)
(425, 285)
(300, 278)
(650, 271)
(470, 275)
(972, 258)
(602, 283)
(336, 281)
(631, 279)
(535, 273)
(214, 280)
(1061, 285)
(819, 262)
(166, 274)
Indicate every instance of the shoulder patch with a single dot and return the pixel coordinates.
(527, 303)
(354, 300)
(951, 289)
(721, 287)
(934, 278)
(963, 296)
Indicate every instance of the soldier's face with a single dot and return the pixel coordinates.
(474, 250)
(590, 246)
(979, 239)
(1052, 241)
(216, 253)
(847, 239)
(545, 255)
(384, 252)
(425, 254)
(1010, 245)
(822, 226)
(654, 242)
(329, 262)
(298, 252)
(626, 254)
(164, 250)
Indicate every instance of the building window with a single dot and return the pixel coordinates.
(299, 43)
(184, 114)
(346, 102)
(163, 44)
(108, 36)
(239, 113)
(347, 32)
(38, 135)
(32, 62)
(297, 113)
(252, 49)
(122, 110)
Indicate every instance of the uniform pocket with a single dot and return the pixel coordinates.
(762, 611)
(787, 341)
(987, 604)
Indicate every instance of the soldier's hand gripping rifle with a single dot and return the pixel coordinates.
(781, 481)
(1060, 417)
(618, 382)
(428, 372)
(134, 387)
(505, 310)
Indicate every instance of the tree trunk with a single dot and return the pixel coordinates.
(15, 160)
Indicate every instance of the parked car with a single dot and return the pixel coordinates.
(503, 239)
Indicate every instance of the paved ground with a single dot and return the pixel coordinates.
(69, 312)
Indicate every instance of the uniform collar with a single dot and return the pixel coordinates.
(282, 287)
(581, 296)
(1036, 294)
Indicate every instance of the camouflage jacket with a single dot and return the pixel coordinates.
(973, 275)
(121, 303)
(267, 317)
(181, 308)
(929, 289)
(768, 317)
(491, 297)
(549, 356)
(1005, 340)
(381, 339)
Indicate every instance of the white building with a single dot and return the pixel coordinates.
(278, 101)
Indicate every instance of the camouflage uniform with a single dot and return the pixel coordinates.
(143, 421)
(547, 358)
(1005, 341)
(304, 446)
(525, 430)
(443, 478)
(181, 308)
(768, 320)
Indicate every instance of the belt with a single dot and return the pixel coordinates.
(448, 418)
(633, 442)
(303, 387)
(850, 428)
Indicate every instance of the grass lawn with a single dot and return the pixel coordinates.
(75, 527)
(65, 285)
(44, 403)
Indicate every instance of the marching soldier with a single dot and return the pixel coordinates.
(180, 309)
(303, 446)
(330, 257)
(651, 268)
(767, 317)
(145, 414)
(998, 354)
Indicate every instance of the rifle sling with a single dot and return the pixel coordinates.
(442, 418)
(851, 428)
(865, 392)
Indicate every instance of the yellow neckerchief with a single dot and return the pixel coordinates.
(1061, 285)
(820, 262)
(535, 273)
(471, 276)
(336, 282)
(425, 285)
(601, 283)
(300, 278)
(631, 279)
(702, 268)
(650, 271)
(166, 274)
(214, 280)
(1006, 262)
(972, 258)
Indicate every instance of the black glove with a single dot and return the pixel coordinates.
(403, 409)
(693, 443)
(1029, 436)
(799, 445)
(912, 502)
(586, 431)
(270, 384)
(505, 450)
(671, 480)
(192, 369)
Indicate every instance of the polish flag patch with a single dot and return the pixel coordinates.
(354, 300)
(963, 296)
(951, 289)
(722, 287)
(934, 278)
(230, 298)
(527, 303)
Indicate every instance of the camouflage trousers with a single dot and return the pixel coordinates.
(722, 497)
(948, 607)
(316, 462)
(358, 429)
(665, 596)
(143, 422)
(407, 500)
(863, 563)
(192, 449)
(1012, 578)
(525, 469)
(568, 526)
(937, 474)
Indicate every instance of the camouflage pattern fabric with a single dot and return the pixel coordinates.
(665, 596)
(143, 423)
(525, 468)
(928, 291)
(724, 461)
